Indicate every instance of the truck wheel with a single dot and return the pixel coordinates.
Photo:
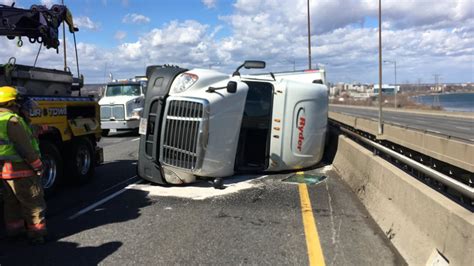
(218, 183)
(105, 132)
(53, 166)
(81, 163)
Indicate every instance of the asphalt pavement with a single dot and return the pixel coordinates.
(117, 219)
(459, 127)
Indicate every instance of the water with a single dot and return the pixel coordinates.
(454, 102)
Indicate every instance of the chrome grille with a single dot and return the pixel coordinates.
(181, 142)
(116, 112)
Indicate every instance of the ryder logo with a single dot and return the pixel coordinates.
(300, 125)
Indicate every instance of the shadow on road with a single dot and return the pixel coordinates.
(60, 253)
(107, 177)
(85, 240)
(121, 134)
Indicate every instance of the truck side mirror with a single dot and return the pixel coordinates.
(248, 64)
(231, 87)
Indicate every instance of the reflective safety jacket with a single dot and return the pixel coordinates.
(19, 149)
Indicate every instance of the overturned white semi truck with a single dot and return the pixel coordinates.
(204, 124)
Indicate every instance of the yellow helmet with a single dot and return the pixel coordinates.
(7, 94)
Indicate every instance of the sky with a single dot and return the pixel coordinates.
(122, 37)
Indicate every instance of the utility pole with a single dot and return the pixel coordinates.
(436, 77)
(396, 90)
(380, 68)
(309, 39)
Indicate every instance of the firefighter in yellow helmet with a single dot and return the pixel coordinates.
(24, 204)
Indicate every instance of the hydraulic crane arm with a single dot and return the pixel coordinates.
(38, 23)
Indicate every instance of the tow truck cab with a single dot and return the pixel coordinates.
(122, 104)
(202, 123)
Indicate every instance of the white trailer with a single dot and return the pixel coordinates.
(317, 76)
(204, 124)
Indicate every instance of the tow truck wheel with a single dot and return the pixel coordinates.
(105, 132)
(52, 166)
(81, 163)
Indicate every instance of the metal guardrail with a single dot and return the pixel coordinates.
(452, 151)
(444, 179)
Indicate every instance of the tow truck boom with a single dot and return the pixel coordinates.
(39, 24)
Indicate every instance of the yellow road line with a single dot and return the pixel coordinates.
(315, 253)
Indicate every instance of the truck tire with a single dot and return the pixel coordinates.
(52, 166)
(82, 161)
(105, 132)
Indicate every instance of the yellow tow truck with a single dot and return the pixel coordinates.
(67, 124)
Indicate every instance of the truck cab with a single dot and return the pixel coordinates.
(204, 124)
(122, 104)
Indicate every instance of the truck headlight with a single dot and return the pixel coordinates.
(184, 82)
(137, 113)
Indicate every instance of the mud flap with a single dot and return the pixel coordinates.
(99, 156)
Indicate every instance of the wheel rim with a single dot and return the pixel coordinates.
(50, 172)
(83, 160)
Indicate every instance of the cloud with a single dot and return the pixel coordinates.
(330, 15)
(135, 19)
(49, 3)
(422, 36)
(407, 14)
(173, 43)
(87, 23)
(209, 3)
(7, 2)
(120, 35)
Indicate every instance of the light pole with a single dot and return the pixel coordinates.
(380, 68)
(309, 39)
(394, 62)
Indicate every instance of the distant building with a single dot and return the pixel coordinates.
(340, 86)
(356, 90)
(359, 95)
(334, 90)
(386, 89)
(438, 88)
(360, 87)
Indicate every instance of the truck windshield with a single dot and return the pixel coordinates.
(123, 89)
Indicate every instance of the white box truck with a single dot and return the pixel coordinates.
(204, 124)
(121, 105)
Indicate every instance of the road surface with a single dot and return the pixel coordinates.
(119, 220)
(461, 128)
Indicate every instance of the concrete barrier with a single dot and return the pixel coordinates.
(418, 220)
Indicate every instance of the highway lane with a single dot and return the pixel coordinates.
(116, 219)
(461, 128)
